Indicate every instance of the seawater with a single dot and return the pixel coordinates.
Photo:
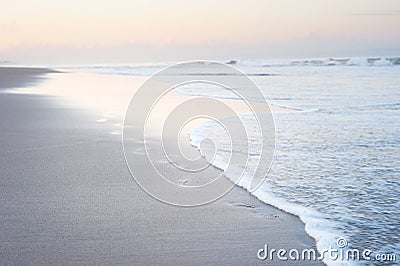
(337, 154)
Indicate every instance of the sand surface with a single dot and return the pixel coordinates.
(11, 77)
(67, 197)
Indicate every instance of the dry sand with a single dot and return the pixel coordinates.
(67, 198)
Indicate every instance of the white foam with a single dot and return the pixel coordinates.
(352, 61)
(316, 224)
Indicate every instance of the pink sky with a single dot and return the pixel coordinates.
(95, 31)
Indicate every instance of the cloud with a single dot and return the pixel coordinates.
(308, 47)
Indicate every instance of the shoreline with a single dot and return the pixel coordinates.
(240, 223)
(20, 77)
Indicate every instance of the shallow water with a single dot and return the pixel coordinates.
(336, 158)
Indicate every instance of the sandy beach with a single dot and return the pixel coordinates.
(67, 197)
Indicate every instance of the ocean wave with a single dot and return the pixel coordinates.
(317, 225)
(386, 106)
(352, 61)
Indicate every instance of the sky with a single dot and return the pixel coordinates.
(124, 31)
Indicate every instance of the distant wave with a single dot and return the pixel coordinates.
(145, 70)
(354, 61)
(227, 74)
(245, 65)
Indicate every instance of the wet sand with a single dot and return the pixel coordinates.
(68, 198)
(12, 77)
